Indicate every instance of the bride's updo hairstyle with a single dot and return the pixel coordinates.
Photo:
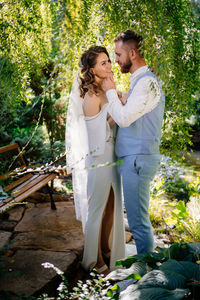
(88, 61)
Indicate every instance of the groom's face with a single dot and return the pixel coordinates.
(122, 57)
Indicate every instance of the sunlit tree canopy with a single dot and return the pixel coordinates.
(41, 42)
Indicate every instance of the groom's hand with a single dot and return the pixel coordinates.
(108, 84)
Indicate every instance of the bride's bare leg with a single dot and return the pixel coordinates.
(105, 231)
(107, 223)
(100, 261)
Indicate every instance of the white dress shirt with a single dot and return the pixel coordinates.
(143, 99)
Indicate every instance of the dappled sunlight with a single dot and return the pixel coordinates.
(41, 44)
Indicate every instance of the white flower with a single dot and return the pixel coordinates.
(61, 287)
(48, 265)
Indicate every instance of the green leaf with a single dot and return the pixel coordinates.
(150, 257)
(119, 162)
(115, 288)
(164, 279)
(137, 268)
(152, 294)
(175, 251)
(134, 276)
(110, 293)
(194, 248)
(127, 262)
(172, 265)
(188, 269)
(57, 95)
(191, 270)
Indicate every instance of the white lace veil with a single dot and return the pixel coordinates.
(76, 133)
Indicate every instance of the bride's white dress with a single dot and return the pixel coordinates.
(98, 180)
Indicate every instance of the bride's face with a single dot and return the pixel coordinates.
(103, 67)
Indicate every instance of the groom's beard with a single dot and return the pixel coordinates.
(125, 68)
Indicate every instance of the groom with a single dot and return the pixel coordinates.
(138, 138)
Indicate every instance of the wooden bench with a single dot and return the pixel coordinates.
(26, 184)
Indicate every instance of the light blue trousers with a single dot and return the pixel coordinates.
(137, 171)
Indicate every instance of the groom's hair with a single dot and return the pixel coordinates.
(131, 38)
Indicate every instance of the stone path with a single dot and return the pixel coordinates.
(36, 234)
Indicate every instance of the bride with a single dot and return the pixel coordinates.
(90, 134)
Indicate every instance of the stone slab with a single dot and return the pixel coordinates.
(71, 239)
(29, 205)
(61, 204)
(7, 225)
(16, 213)
(25, 277)
(40, 197)
(4, 237)
(43, 218)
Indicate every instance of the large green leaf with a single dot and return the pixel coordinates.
(179, 251)
(172, 265)
(133, 293)
(165, 279)
(134, 276)
(121, 274)
(194, 248)
(126, 262)
(150, 257)
(188, 269)
(191, 270)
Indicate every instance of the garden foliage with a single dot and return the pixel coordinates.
(175, 201)
(41, 43)
(170, 273)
